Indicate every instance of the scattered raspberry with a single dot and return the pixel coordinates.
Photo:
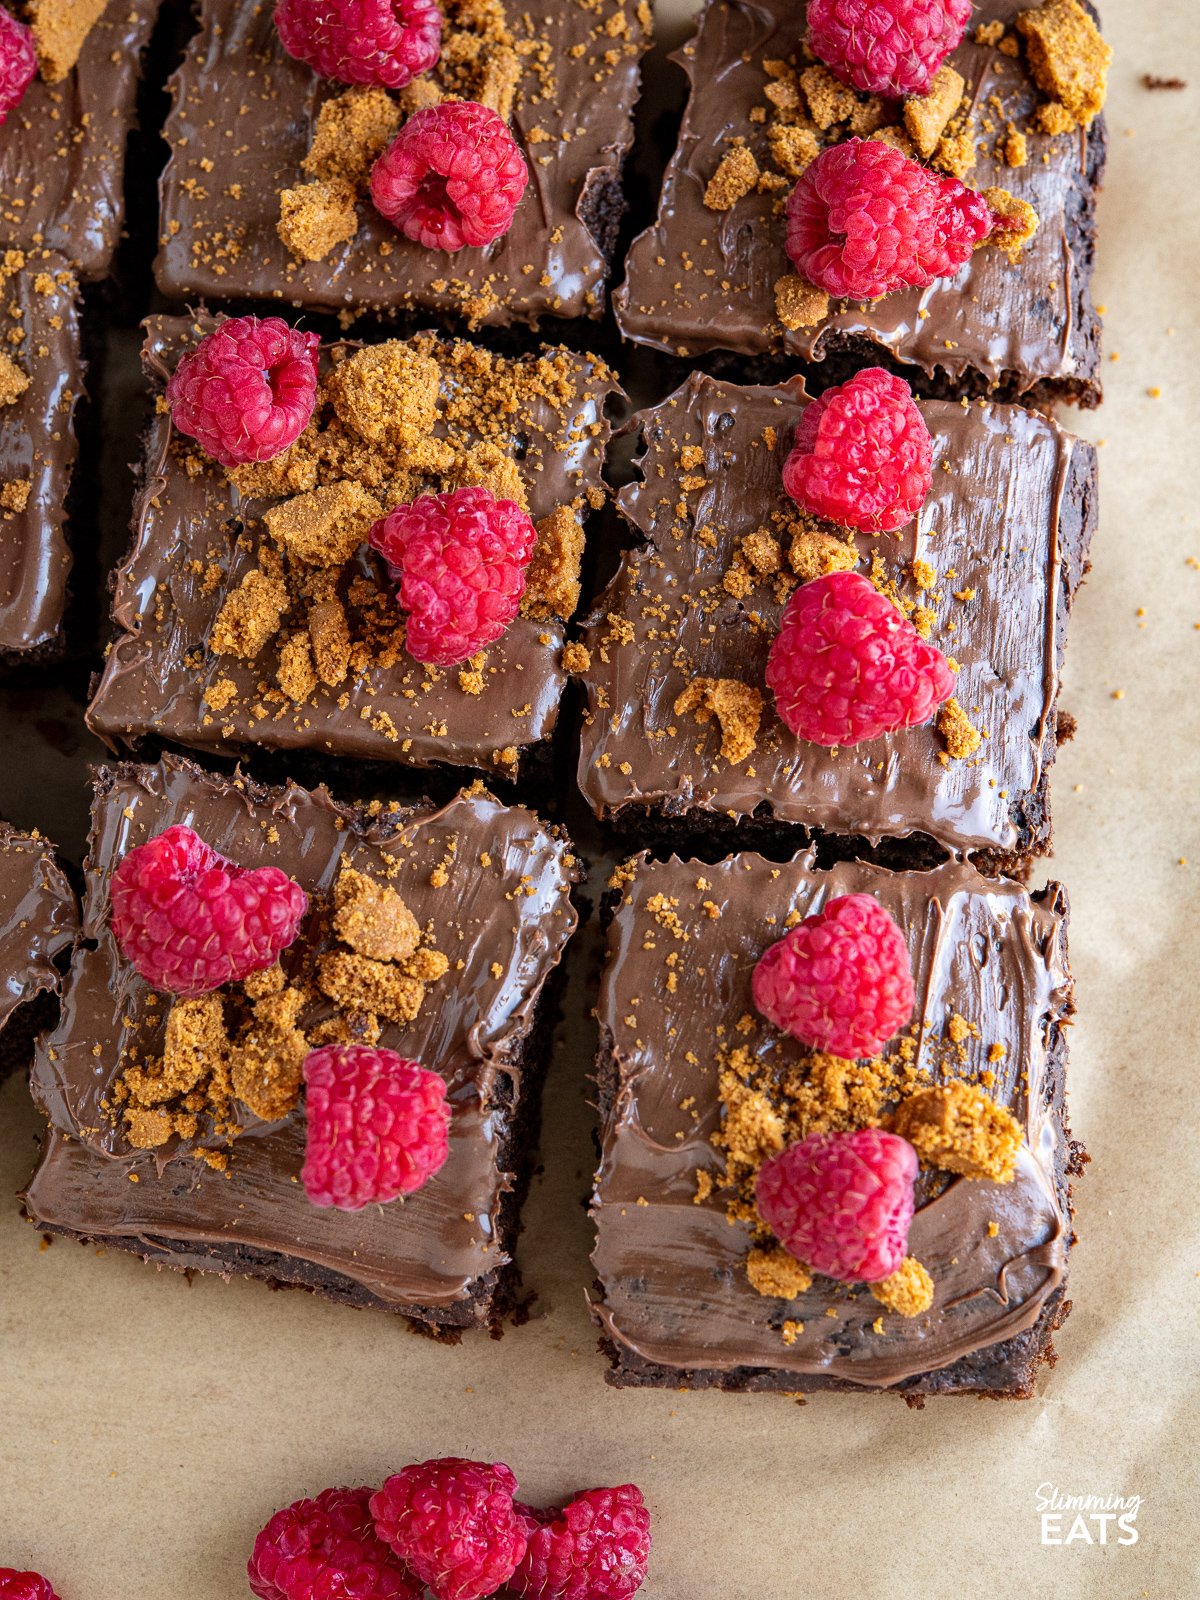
(842, 1202)
(18, 67)
(863, 220)
(594, 1549)
(191, 921)
(453, 176)
(460, 561)
(846, 666)
(389, 42)
(841, 980)
(862, 455)
(377, 1126)
(887, 47)
(454, 1523)
(247, 390)
(326, 1548)
(16, 1585)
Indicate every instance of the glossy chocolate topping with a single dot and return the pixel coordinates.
(674, 1288)
(503, 924)
(38, 918)
(700, 280)
(993, 529)
(160, 666)
(62, 151)
(38, 448)
(243, 103)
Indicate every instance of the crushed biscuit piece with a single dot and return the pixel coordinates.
(60, 29)
(829, 100)
(251, 615)
(552, 582)
(1068, 58)
(14, 495)
(909, 1290)
(388, 393)
(777, 1274)
(353, 130)
(799, 304)
(372, 918)
(1017, 225)
(13, 382)
(926, 118)
(576, 658)
(958, 1128)
(736, 176)
(737, 707)
(792, 149)
(316, 217)
(956, 728)
(329, 635)
(296, 676)
(814, 551)
(324, 527)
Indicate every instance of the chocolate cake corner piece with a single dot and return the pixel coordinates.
(699, 280)
(196, 538)
(39, 920)
(679, 640)
(673, 1300)
(490, 888)
(62, 150)
(41, 383)
(242, 123)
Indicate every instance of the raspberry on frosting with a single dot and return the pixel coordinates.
(460, 561)
(248, 389)
(842, 1202)
(378, 1126)
(387, 42)
(452, 177)
(840, 981)
(886, 47)
(327, 1547)
(18, 61)
(455, 1524)
(846, 666)
(190, 921)
(16, 1585)
(862, 455)
(864, 220)
(596, 1548)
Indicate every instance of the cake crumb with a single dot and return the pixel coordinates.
(958, 1128)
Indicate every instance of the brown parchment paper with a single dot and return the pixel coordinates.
(149, 1426)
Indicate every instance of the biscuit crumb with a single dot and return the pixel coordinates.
(926, 118)
(737, 707)
(776, 1274)
(1068, 58)
(60, 29)
(814, 551)
(353, 130)
(324, 527)
(909, 1290)
(736, 176)
(576, 658)
(961, 735)
(799, 304)
(13, 382)
(251, 615)
(316, 217)
(792, 149)
(373, 919)
(958, 1128)
(1018, 222)
(552, 582)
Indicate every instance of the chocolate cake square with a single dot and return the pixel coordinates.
(697, 1089)
(62, 150)
(716, 276)
(681, 737)
(250, 124)
(41, 383)
(200, 657)
(39, 919)
(197, 1180)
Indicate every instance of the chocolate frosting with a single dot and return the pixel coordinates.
(503, 923)
(244, 104)
(39, 918)
(991, 525)
(699, 280)
(38, 447)
(160, 666)
(674, 1289)
(62, 150)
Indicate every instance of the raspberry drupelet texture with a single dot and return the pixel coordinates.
(841, 980)
(16, 1585)
(862, 455)
(452, 177)
(325, 1548)
(596, 1548)
(454, 1523)
(864, 220)
(191, 921)
(842, 1202)
(388, 42)
(18, 61)
(459, 560)
(845, 666)
(247, 390)
(378, 1126)
(887, 47)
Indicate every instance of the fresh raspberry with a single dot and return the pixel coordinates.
(191, 921)
(377, 1126)
(846, 666)
(594, 1549)
(841, 980)
(16, 1585)
(247, 390)
(452, 176)
(459, 560)
(327, 1549)
(454, 1523)
(389, 42)
(842, 1202)
(863, 220)
(18, 67)
(887, 47)
(862, 455)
